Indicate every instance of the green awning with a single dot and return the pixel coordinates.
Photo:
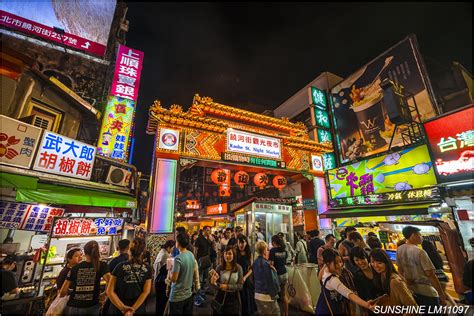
(415, 209)
(55, 194)
(10, 180)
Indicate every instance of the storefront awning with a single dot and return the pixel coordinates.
(10, 180)
(55, 194)
(416, 209)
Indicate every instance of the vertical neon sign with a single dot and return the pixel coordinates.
(164, 192)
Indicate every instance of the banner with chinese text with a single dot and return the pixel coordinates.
(70, 227)
(65, 156)
(116, 127)
(128, 68)
(253, 144)
(28, 217)
(18, 142)
(399, 171)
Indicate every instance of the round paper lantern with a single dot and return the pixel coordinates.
(219, 176)
(260, 180)
(279, 182)
(241, 178)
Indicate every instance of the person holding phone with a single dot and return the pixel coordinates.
(335, 296)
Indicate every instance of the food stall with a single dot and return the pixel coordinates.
(446, 240)
(271, 216)
(75, 232)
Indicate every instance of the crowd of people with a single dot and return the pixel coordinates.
(223, 270)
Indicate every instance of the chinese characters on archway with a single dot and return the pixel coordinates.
(87, 227)
(127, 73)
(65, 156)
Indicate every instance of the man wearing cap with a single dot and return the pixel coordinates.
(418, 270)
(9, 283)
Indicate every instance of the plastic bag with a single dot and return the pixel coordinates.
(58, 306)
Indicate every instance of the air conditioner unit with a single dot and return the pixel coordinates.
(118, 176)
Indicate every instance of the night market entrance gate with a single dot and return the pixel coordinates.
(213, 135)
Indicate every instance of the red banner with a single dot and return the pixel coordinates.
(34, 28)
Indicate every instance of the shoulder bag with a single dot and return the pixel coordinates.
(216, 305)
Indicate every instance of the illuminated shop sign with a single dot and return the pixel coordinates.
(65, 156)
(317, 162)
(318, 98)
(431, 194)
(217, 209)
(18, 142)
(192, 205)
(451, 140)
(400, 171)
(256, 161)
(116, 128)
(127, 73)
(253, 144)
(28, 217)
(271, 207)
(68, 227)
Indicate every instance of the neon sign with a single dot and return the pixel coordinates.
(451, 141)
(257, 161)
(68, 227)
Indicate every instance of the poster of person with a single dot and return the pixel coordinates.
(361, 120)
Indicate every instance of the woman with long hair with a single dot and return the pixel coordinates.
(228, 279)
(244, 259)
(335, 296)
(364, 276)
(388, 280)
(73, 257)
(84, 280)
(130, 283)
(301, 249)
(278, 257)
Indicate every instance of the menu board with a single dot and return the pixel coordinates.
(28, 217)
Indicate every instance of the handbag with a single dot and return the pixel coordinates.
(58, 306)
(216, 306)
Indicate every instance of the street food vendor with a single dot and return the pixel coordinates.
(9, 283)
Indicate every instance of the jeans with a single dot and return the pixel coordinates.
(73, 311)
(203, 276)
(427, 301)
(182, 308)
(267, 308)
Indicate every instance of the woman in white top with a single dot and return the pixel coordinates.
(301, 249)
(334, 294)
(160, 275)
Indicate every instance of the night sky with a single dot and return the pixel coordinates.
(256, 55)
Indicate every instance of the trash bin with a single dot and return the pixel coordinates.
(303, 286)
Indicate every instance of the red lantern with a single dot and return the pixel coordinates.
(219, 176)
(241, 178)
(279, 182)
(260, 180)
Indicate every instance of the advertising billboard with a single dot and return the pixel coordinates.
(451, 139)
(116, 126)
(408, 169)
(361, 120)
(128, 69)
(65, 156)
(86, 24)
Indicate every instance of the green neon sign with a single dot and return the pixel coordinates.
(318, 97)
(322, 118)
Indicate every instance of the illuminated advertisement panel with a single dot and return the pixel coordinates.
(360, 116)
(163, 198)
(451, 141)
(399, 171)
(116, 127)
(127, 73)
(253, 144)
(86, 24)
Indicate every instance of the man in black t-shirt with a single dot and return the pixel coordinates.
(9, 283)
(123, 247)
(202, 254)
(314, 245)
